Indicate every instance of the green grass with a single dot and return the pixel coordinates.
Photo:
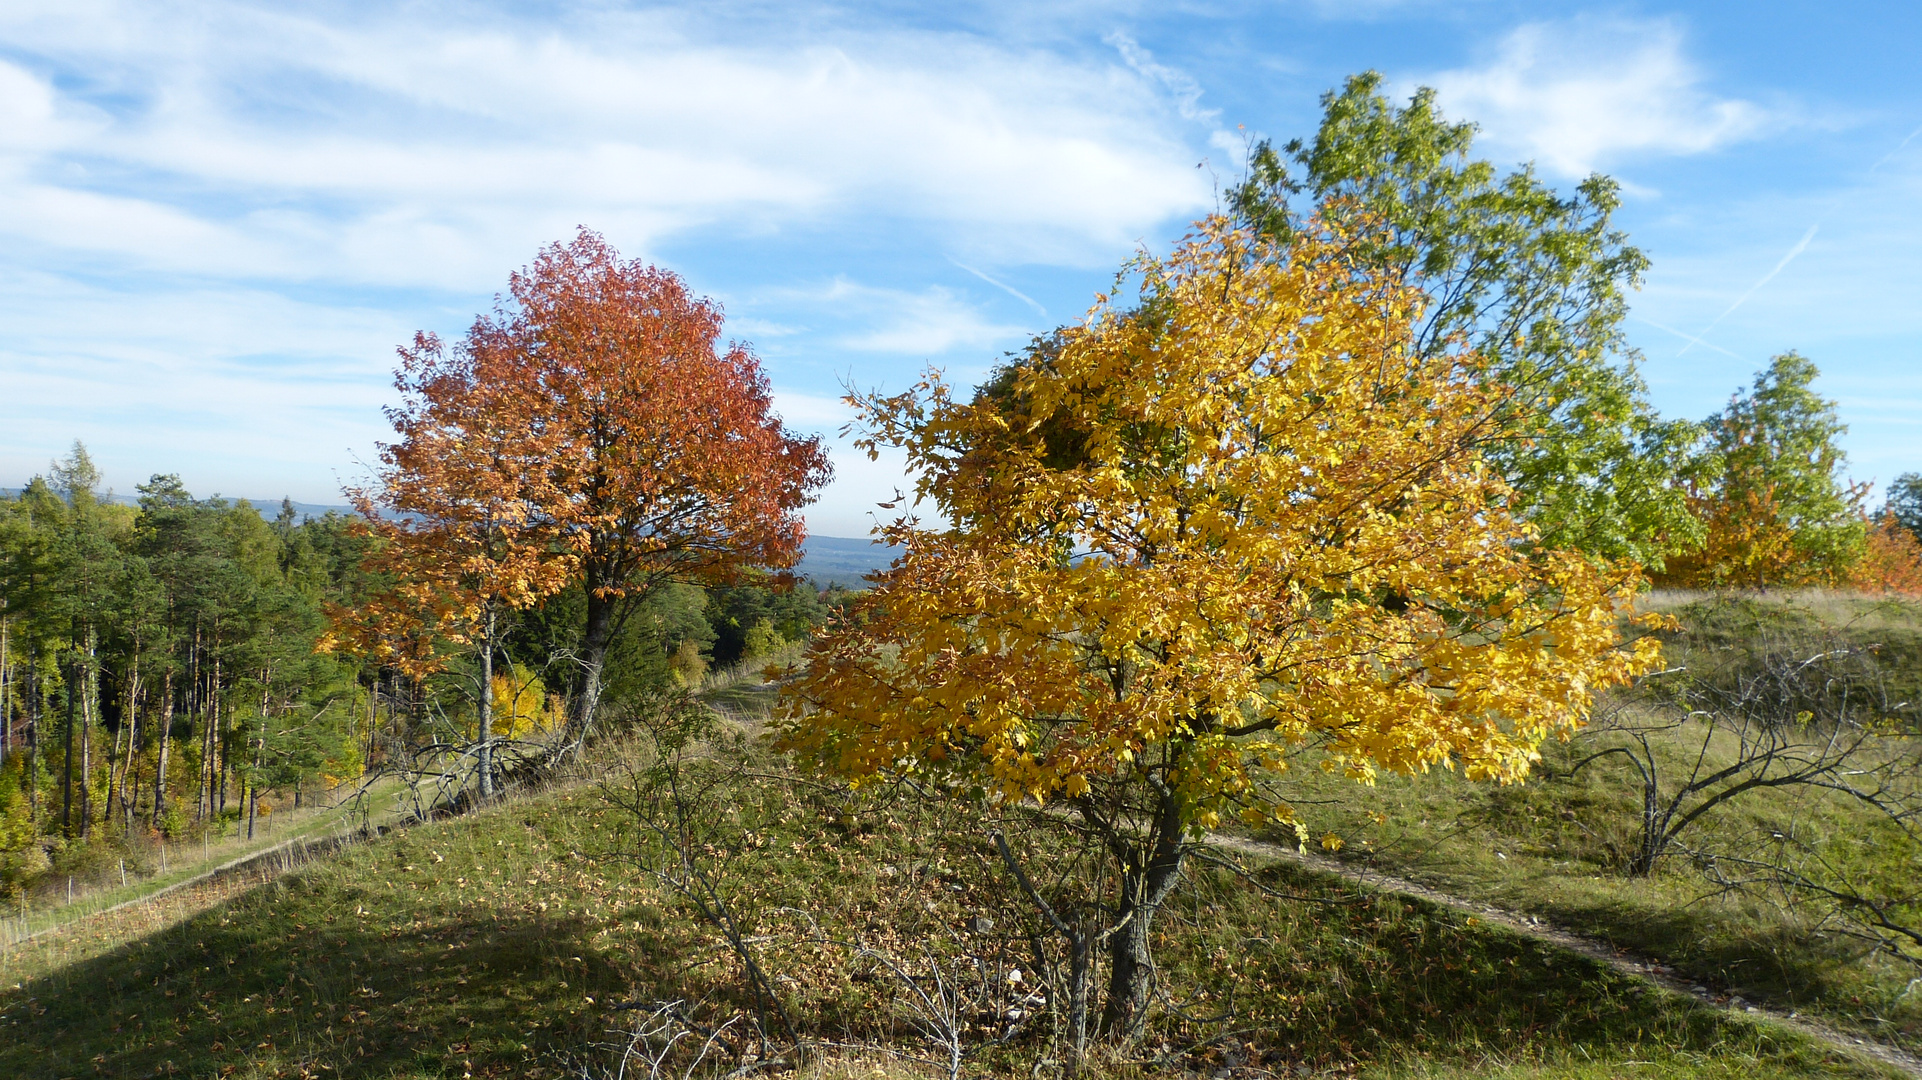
(1556, 847)
(114, 874)
(497, 945)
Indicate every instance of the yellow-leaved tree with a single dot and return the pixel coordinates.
(1188, 537)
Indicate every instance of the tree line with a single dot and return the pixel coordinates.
(165, 667)
(157, 668)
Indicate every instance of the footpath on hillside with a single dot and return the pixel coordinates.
(1643, 967)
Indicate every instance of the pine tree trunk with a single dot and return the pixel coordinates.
(89, 707)
(224, 753)
(66, 769)
(130, 720)
(113, 773)
(34, 715)
(166, 741)
(210, 747)
(6, 694)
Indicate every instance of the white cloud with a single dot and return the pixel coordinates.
(237, 389)
(423, 146)
(812, 412)
(1186, 90)
(1577, 95)
(927, 323)
(218, 218)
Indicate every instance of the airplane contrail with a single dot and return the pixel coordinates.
(1786, 259)
(1799, 247)
(1003, 286)
(1886, 158)
(1690, 338)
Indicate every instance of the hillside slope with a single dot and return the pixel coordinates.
(512, 942)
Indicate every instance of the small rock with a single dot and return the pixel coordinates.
(980, 924)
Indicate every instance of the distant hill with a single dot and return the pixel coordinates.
(268, 507)
(842, 560)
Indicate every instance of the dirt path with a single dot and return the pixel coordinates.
(1622, 960)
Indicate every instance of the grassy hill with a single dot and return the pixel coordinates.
(525, 941)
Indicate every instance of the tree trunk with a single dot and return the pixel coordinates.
(484, 758)
(66, 770)
(34, 714)
(6, 696)
(1080, 987)
(1650, 843)
(595, 641)
(89, 710)
(166, 740)
(373, 721)
(223, 751)
(130, 720)
(113, 772)
(1131, 967)
(210, 761)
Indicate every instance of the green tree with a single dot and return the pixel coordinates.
(1770, 490)
(29, 579)
(1535, 281)
(88, 564)
(1904, 502)
(175, 535)
(791, 614)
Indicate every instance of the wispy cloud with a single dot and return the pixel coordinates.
(1691, 339)
(1004, 287)
(924, 323)
(1577, 95)
(1187, 91)
(411, 147)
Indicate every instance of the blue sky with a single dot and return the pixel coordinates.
(218, 220)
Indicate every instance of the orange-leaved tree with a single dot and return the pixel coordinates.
(1891, 560)
(632, 447)
(1188, 537)
(668, 461)
(462, 537)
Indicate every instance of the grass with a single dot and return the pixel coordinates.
(505, 943)
(1555, 847)
(147, 867)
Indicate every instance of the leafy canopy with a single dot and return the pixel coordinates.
(1770, 492)
(1536, 282)
(459, 516)
(1247, 511)
(594, 429)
